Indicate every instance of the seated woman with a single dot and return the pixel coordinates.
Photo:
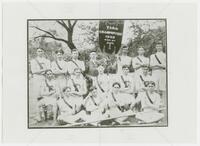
(101, 81)
(67, 108)
(151, 103)
(95, 105)
(118, 104)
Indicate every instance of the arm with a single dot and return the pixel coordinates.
(55, 69)
(44, 91)
(83, 66)
(35, 69)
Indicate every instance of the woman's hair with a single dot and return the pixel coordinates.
(59, 51)
(65, 88)
(116, 83)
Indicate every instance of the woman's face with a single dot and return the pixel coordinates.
(116, 88)
(49, 74)
(40, 52)
(59, 55)
(77, 72)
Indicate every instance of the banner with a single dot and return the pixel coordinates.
(110, 35)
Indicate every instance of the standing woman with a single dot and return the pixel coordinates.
(38, 67)
(60, 68)
(140, 61)
(123, 59)
(158, 65)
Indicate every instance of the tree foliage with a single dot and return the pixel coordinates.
(146, 39)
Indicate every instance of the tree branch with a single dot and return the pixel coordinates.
(49, 35)
(46, 36)
(62, 23)
(43, 30)
(69, 23)
(74, 23)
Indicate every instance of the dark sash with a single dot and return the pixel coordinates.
(141, 78)
(99, 85)
(41, 67)
(113, 97)
(67, 103)
(149, 97)
(78, 67)
(93, 101)
(76, 88)
(126, 86)
(119, 58)
(139, 59)
(75, 63)
(116, 101)
(58, 65)
(157, 59)
(50, 87)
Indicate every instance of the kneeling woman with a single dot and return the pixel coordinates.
(151, 104)
(49, 93)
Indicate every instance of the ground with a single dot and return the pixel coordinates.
(51, 123)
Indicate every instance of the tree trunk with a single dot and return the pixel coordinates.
(70, 41)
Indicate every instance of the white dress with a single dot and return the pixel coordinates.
(160, 74)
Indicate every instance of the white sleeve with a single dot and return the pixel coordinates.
(54, 68)
(34, 67)
(152, 62)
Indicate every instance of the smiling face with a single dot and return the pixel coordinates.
(125, 50)
(116, 87)
(75, 54)
(159, 47)
(49, 74)
(151, 86)
(141, 51)
(125, 70)
(40, 52)
(77, 71)
(67, 91)
(59, 56)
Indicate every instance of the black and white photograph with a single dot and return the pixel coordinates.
(86, 73)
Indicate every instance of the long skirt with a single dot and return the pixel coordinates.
(149, 116)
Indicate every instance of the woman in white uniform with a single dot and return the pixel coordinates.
(60, 68)
(151, 103)
(49, 93)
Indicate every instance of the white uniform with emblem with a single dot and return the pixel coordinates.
(50, 91)
(102, 83)
(126, 82)
(67, 110)
(140, 79)
(37, 65)
(150, 104)
(159, 59)
(60, 69)
(75, 64)
(78, 88)
(96, 105)
(121, 61)
(138, 62)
